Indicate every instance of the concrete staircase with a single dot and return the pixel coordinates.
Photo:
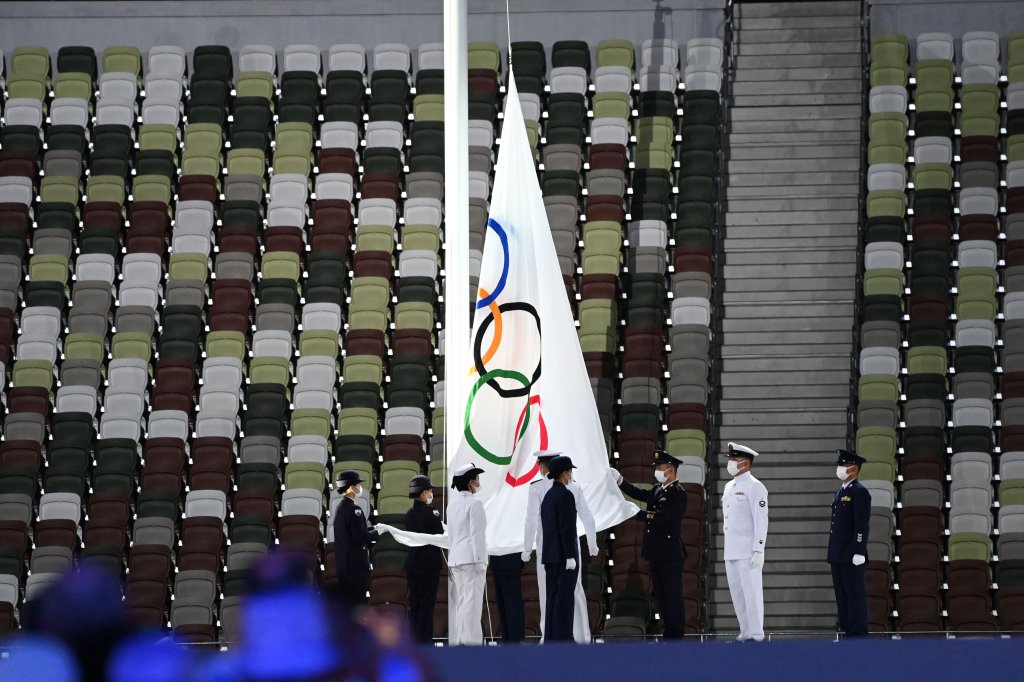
(790, 266)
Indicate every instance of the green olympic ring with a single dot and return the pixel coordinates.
(470, 438)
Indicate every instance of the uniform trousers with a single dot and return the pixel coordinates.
(422, 597)
(561, 602)
(747, 597)
(851, 598)
(468, 584)
(353, 586)
(580, 616)
(507, 572)
(667, 580)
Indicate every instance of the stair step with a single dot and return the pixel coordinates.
(793, 285)
(847, 178)
(796, 364)
(788, 138)
(795, 100)
(790, 231)
(788, 297)
(778, 153)
(787, 35)
(814, 125)
(770, 401)
(794, 191)
(836, 112)
(777, 165)
(795, 257)
(772, 272)
(795, 86)
(816, 60)
(798, 47)
(776, 217)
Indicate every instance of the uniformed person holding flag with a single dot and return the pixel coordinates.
(745, 516)
(561, 553)
(663, 541)
(467, 528)
(423, 564)
(352, 538)
(532, 534)
(848, 545)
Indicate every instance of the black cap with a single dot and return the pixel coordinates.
(348, 477)
(662, 457)
(417, 484)
(558, 465)
(847, 457)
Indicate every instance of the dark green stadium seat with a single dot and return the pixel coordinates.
(212, 61)
(258, 476)
(571, 53)
(355, 448)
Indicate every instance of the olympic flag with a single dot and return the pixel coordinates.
(529, 388)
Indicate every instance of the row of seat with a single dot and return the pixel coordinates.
(946, 431)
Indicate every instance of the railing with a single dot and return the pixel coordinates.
(718, 276)
(862, 196)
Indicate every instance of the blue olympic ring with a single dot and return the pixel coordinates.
(500, 231)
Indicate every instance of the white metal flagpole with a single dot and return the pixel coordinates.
(456, 237)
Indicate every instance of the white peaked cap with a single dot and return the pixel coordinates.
(741, 450)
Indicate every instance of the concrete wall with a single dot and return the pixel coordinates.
(324, 22)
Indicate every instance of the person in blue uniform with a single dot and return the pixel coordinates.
(848, 545)
(663, 538)
(560, 552)
(423, 564)
(352, 538)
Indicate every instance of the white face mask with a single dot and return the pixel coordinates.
(732, 467)
(660, 476)
(430, 499)
(841, 473)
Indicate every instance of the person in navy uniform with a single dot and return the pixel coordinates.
(848, 545)
(663, 541)
(507, 571)
(352, 538)
(560, 552)
(423, 564)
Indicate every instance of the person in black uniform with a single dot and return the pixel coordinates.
(848, 545)
(352, 538)
(423, 564)
(663, 542)
(507, 571)
(561, 555)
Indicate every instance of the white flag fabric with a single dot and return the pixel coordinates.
(529, 388)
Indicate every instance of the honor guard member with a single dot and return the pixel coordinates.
(467, 558)
(352, 538)
(745, 512)
(848, 545)
(561, 553)
(423, 564)
(532, 534)
(663, 541)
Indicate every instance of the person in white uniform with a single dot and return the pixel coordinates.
(467, 557)
(745, 512)
(534, 535)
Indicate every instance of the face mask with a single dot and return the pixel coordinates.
(660, 476)
(732, 467)
(473, 488)
(430, 499)
(841, 473)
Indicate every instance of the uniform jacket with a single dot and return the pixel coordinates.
(352, 537)
(851, 516)
(558, 522)
(745, 516)
(666, 507)
(467, 528)
(422, 518)
(532, 533)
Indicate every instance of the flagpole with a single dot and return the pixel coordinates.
(456, 237)
(456, 209)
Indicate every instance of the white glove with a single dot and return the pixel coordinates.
(570, 564)
(595, 550)
(757, 560)
(858, 559)
(525, 556)
(616, 476)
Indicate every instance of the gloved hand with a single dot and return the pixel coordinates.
(525, 556)
(757, 560)
(570, 564)
(616, 476)
(858, 559)
(594, 550)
